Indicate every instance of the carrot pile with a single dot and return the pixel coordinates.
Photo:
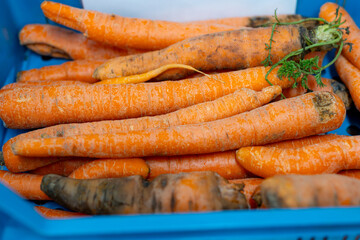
(126, 124)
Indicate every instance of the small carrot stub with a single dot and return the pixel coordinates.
(318, 112)
(62, 168)
(57, 213)
(111, 168)
(25, 184)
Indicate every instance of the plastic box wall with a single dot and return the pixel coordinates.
(18, 220)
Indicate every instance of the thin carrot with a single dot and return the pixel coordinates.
(315, 113)
(50, 40)
(325, 157)
(240, 101)
(250, 184)
(223, 163)
(307, 141)
(111, 168)
(56, 213)
(126, 32)
(350, 75)
(36, 107)
(328, 12)
(12, 86)
(62, 168)
(355, 173)
(79, 70)
(25, 184)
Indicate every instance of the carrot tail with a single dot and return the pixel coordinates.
(56, 213)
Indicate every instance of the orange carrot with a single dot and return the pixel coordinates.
(325, 157)
(63, 168)
(36, 107)
(12, 86)
(25, 184)
(126, 32)
(79, 70)
(307, 141)
(250, 184)
(50, 40)
(292, 118)
(56, 213)
(223, 163)
(350, 75)
(111, 168)
(328, 12)
(355, 173)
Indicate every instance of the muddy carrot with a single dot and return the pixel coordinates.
(57, 213)
(79, 70)
(25, 184)
(318, 112)
(50, 40)
(223, 163)
(111, 168)
(250, 184)
(62, 168)
(325, 157)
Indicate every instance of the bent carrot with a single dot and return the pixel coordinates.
(126, 32)
(111, 168)
(56, 213)
(250, 184)
(36, 107)
(50, 40)
(223, 163)
(325, 157)
(62, 168)
(24, 184)
(354, 173)
(79, 70)
(318, 112)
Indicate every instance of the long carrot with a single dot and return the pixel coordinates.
(36, 107)
(25, 184)
(355, 173)
(62, 168)
(307, 141)
(328, 12)
(111, 168)
(292, 118)
(240, 101)
(350, 75)
(50, 40)
(12, 86)
(250, 184)
(79, 70)
(126, 32)
(223, 163)
(325, 157)
(57, 213)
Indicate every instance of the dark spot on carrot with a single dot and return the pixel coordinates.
(172, 201)
(324, 105)
(190, 205)
(59, 133)
(153, 202)
(163, 182)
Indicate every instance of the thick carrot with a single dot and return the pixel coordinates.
(126, 32)
(240, 101)
(57, 213)
(355, 173)
(328, 12)
(111, 168)
(309, 114)
(350, 75)
(307, 141)
(250, 184)
(62, 168)
(25, 184)
(325, 157)
(36, 107)
(50, 40)
(79, 70)
(238, 49)
(12, 86)
(223, 163)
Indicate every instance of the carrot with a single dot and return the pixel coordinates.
(62, 168)
(36, 107)
(12, 86)
(328, 12)
(25, 184)
(250, 184)
(50, 40)
(111, 168)
(309, 114)
(307, 141)
(56, 213)
(126, 32)
(184, 192)
(240, 101)
(79, 70)
(325, 157)
(298, 191)
(350, 75)
(355, 173)
(223, 163)
(238, 49)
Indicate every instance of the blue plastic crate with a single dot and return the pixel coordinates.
(18, 220)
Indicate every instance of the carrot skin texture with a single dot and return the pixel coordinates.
(56, 213)
(15, 85)
(307, 141)
(325, 157)
(355, 173)
(250, 184)
(24, 184)
(28, 108)
(322, 112)
(62, 168)
(111, 168)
